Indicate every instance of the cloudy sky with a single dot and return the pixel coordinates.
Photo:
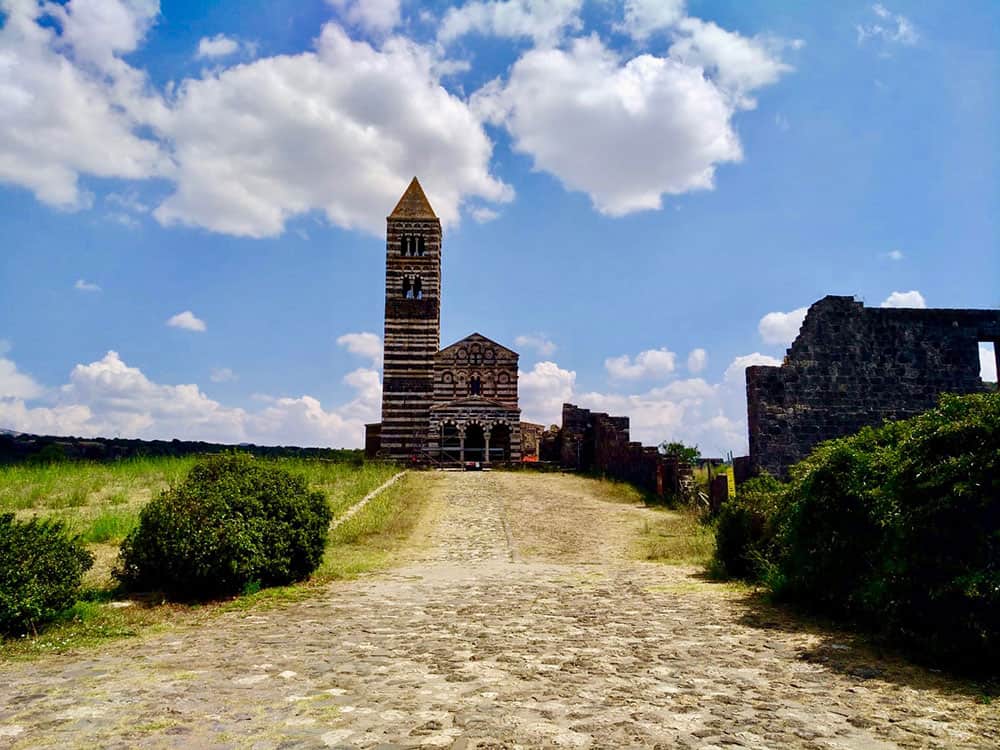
(641, 196)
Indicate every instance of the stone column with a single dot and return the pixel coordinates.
(486, 436)
(461, 449)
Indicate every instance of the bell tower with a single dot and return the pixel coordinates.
(412, 322)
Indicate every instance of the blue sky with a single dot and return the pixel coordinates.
(641, 197)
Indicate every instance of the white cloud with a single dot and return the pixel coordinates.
(697, 360)
(372, 15)
(895, 255)
(341, 130)
(649, 126)
(538, 342)
(188, 321)
(987, 362)
(222, 375)
(363, 344)
(69, 106)
(482, 214)
(108, 397)
(15, 384)
(545, 21)
(83, 285)
(781, 327)
(905, 299)
(644, 17)
(219, 45)
(543, 390)
(889, 28)
(738, 64)
(652, 363)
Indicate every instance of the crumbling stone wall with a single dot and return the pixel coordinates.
(853, 366)
(595, 441)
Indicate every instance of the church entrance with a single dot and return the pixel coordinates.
(475, 443)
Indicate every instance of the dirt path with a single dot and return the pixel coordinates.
(519, 621)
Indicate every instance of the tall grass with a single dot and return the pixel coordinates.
(102, 501)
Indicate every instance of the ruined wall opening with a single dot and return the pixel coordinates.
(989, 362)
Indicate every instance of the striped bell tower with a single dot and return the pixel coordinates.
(412, 322)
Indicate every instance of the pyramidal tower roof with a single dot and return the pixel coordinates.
(413, 204)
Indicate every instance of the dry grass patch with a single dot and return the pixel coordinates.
(675, 537)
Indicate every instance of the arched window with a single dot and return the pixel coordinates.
(407, 288)
(418, 289)
(421, 247)
(475, 386)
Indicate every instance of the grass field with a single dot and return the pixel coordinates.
(102, 501)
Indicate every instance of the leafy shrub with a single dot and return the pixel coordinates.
(232, 523)
(745, 528)
(41, 567)
(897, 528)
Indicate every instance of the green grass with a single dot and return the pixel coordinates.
(676, 537)
(102, 502)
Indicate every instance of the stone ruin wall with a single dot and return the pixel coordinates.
(594, 441)
(853, 366)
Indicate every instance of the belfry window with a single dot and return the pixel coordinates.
(421, 247)
(407, 288)
(475, 386)
(418, 290)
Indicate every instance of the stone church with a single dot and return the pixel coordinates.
(438, 405)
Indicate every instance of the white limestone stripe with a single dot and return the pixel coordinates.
(364, 501)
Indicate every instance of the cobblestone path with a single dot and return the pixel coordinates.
(519, 622)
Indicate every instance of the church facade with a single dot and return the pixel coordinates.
(438, 405)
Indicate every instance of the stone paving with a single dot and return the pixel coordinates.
(519, 621)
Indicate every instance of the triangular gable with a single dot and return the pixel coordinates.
(478, 338)
(413, 204)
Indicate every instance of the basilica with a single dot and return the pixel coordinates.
(456, 404)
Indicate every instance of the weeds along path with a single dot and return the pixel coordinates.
(518, 619)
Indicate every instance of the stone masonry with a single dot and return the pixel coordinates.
(853, 366)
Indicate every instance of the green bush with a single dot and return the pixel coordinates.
(234, 522)
(896, 528)
(41, 567)
(745, 528)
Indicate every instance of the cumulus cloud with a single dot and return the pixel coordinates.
(544, 21)
(363, 344)
(543, 390)
(649, 125)
(188, 321)
(69, 106)
(222, 375)
(905, 299)
(781, 327)
(892, 28)
(644, 17)
(108, 397)
(342, 130)
(697, 360)
(15, 384)
(83, 285)
(219, 45)
(537, 342)
(694, 411)
(372, 15)
(652, 363)
(987, 363)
